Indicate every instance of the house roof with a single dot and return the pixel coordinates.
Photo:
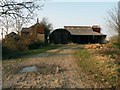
(35, 25)
(81, 30)
(25, 30)
(12, 34)
(38, 27)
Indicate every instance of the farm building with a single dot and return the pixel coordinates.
(34, 32)
(77, 34)
(12, 36)
(62, 36)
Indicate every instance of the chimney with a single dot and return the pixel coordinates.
(37, 20)
(96, 28)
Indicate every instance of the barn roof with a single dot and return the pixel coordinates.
(81, 30)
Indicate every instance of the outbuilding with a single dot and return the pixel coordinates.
(86, 34)
(77, 34)
(60, 36)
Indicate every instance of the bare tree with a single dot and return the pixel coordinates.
(21, 12)
(19, 22)
(11, 7)
(113, 20)
(6, 23)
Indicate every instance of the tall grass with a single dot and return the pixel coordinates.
(114, 41)
(95, 68)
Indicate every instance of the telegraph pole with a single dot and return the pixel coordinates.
(119, 22)
(119, 12)
(2, 33)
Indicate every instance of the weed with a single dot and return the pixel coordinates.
(92, 66)
(118, 70)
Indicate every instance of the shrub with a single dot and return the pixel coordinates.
(7, 53)
(34, 45)
(114, 41)
(118, 70)
(11, 45)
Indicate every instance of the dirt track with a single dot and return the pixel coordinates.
(56, 68)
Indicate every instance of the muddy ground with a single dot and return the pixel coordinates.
(55, 68)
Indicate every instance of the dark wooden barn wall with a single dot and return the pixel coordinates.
(60, 36)
(82, 39)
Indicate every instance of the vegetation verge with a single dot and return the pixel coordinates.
(99, 67)
(13, 55)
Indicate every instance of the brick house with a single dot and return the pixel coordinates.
(34, 32)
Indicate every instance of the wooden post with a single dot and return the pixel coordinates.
(2, 34)
(119, 22)
(36, 31)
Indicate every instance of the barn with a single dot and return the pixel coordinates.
(77, 34)
(86, 34)
(60, 36)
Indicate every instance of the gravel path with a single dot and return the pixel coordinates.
(53, 69)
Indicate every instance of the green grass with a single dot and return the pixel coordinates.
(91, 66)
(28, 52)
(115, 45)
(86, 61)
(114, 41)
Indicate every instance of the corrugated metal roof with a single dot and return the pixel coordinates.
(81, 30)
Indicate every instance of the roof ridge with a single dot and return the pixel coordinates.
(78, 26)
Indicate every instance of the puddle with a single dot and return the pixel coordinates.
(29, 69)
(43, 69)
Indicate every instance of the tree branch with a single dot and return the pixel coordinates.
(10, 8)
